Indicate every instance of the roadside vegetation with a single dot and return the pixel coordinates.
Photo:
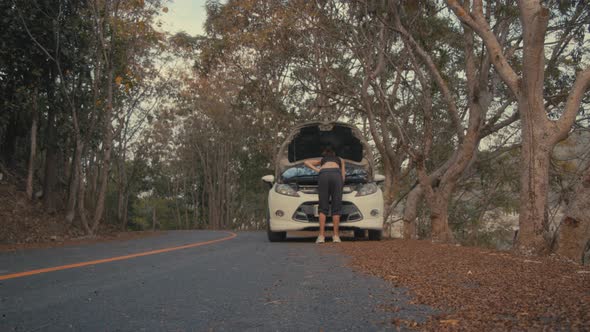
(477, 112)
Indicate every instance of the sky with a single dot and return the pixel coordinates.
(185, 15)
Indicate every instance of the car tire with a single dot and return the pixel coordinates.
(375, 235)
(359, 234)
(274, 236)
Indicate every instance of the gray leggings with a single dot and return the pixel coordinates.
(330, 187)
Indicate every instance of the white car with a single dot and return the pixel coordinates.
(293, 196)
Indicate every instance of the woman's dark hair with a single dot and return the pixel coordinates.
(328, 150)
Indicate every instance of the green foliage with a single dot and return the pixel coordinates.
(191, 146)
(165, 214)
(488, 195)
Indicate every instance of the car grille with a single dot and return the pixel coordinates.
(306, 213)
(314, 189)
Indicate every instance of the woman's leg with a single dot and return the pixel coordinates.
(324, 203)
(335, 223)
(322, 224)
(336, 194)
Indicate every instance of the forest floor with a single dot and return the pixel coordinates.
(478, 289)
(26, 224)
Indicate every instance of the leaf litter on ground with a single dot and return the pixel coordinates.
(479, 289)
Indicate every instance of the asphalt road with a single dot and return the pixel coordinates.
(243, 283)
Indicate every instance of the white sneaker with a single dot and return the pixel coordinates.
(320, 239)
(336, 239)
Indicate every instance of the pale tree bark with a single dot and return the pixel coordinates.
(573, 240)
(411, 212)
(539, 133)
(416, 194)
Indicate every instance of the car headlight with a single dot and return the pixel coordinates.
(285, 189)
(366, 189)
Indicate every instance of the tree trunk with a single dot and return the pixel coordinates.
(411, 212)
(391, 185)
(122, 206)
(196, 209)
(81, 202)
(33, 151)
(93, 181)
(125, 214)
(203, 202)
(122, 192)
(439, 214)
(154, 220)
(533, 235)
(121, 209)
(574, 232)
(186, 205)
(415, 196)
(50, 176)
(74, 181)
(175, 188)
(106, 158)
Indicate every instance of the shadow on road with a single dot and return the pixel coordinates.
(304, 239)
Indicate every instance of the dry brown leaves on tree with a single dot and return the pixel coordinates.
(478, 289)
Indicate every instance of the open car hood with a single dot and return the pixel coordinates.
(306, 141)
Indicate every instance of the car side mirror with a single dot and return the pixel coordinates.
(379, 178)
(270, 179)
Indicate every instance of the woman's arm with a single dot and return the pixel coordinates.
(343, 168)
(311, 163)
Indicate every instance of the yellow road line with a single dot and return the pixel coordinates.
(113, 259)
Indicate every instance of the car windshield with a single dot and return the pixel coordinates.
(304, 175)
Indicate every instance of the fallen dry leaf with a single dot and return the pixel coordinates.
(506, 293)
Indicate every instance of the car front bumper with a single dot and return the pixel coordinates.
(288, 205)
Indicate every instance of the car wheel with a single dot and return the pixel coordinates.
(359, 233)
(374, 235)
(274, 236)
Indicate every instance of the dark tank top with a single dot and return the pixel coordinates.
(331, 158)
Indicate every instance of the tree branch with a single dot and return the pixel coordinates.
(478, 23)
(572, 105)
(453, 112)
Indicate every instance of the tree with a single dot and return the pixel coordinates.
(397, 74)
(540, 133)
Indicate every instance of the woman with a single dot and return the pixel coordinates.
(332, 172)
